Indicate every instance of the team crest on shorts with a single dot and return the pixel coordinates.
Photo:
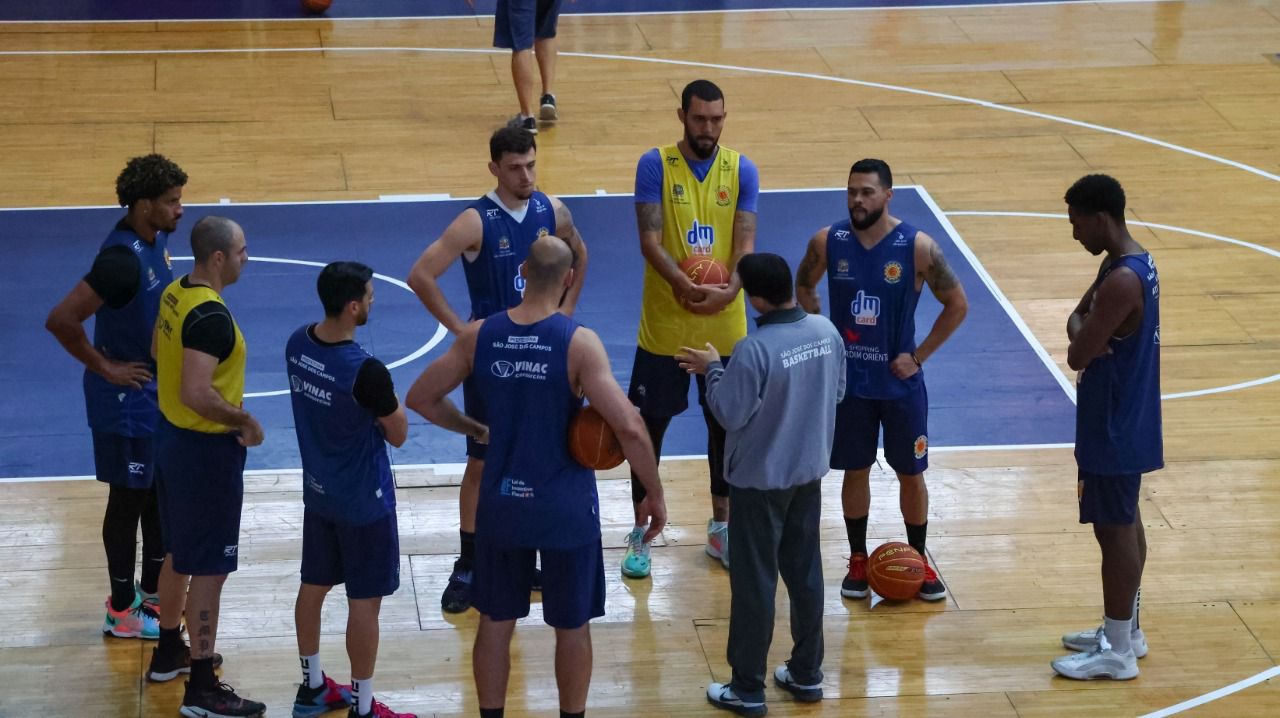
(722, 196)
(892, 272)
(921, 446)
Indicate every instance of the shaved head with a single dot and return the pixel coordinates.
(550, 259)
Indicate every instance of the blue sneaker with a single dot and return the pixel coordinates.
(329, 696)
(636, 563)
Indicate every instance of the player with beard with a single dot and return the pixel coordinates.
(693, 198)
(876, 265)
(492, 237)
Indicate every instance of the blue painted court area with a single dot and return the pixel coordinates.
(77, 10)
(987, 386)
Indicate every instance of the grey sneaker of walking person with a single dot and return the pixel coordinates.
(802, 693)
(548, 111)
(1087, 640)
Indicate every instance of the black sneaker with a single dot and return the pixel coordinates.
(548, 112)
(528, 124)
(167, 665)
(220, 701)
(457, 595)
(932, 588)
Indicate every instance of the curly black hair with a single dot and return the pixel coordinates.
(148, 177)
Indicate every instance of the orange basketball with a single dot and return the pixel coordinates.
(316, 6)
(705, 270)
(592, 442)
(895, 571)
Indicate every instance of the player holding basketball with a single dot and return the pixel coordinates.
(200, 452)
(1115, 345)
(537, 363)
(693, 198)
(345, 411)
(122, 292)
(492, 237)
(876, 265)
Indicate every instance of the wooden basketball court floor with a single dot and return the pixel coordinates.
(995, 110)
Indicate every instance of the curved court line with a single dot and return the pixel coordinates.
(1182, 230)
(708, 65)
(1215, 695)
(431, 343)
(720, 11)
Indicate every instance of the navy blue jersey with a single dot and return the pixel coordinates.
(124, 334)
(493, 277)
(346, 474)
(873, 304)
(1118, 425)
(532, 494)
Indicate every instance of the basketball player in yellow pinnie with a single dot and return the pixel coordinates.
(693, 198)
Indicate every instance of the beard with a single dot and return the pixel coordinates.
(702, 147)
(871, 218)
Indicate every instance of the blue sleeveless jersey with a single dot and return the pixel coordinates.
(532, 493)
(873, 304)
(1118, 425)
(124, 334)
(346, 474)
(493, 278)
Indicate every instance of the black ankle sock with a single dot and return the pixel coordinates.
(916, 537)
(122, 593)
(202, 677)
(566, 714)
(171, 639)
(468, 546)
(856, 529)
(491, 712)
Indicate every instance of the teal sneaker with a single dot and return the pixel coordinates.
(636, 563)
(136, 621)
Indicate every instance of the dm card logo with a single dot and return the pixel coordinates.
(921, 446)
(865, 308)
(700, 238)
(722, 196)
(892, 272)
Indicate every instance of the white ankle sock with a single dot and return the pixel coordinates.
(1117, 633)
(312, 673)
(362, 692)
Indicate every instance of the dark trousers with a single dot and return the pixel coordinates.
(774, 532)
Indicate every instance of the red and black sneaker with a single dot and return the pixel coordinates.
(328, 696)
(932, 588)
(855, 584)
(220, 701)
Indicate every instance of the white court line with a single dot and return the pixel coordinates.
(456, 468)
(1182, 230)
(1215, 695)
(732, 11)
(705, 65)
(428, 346)
(992, 287)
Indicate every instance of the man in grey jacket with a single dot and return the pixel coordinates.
(777, 401)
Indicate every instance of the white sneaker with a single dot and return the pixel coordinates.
(1102, 662)
(721, 695)
(718, 542)
(1086, 641)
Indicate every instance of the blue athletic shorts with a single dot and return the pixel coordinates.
(125, 461)
(1108, 499)
(473, 406)
(517, 22)
(660, 388)
(572, 583)
(201, 491)
(906, 432)
(366, 558)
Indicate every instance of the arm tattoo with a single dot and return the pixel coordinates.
(649, 217)
(744, 222)
(804, 274)
(940, 276)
